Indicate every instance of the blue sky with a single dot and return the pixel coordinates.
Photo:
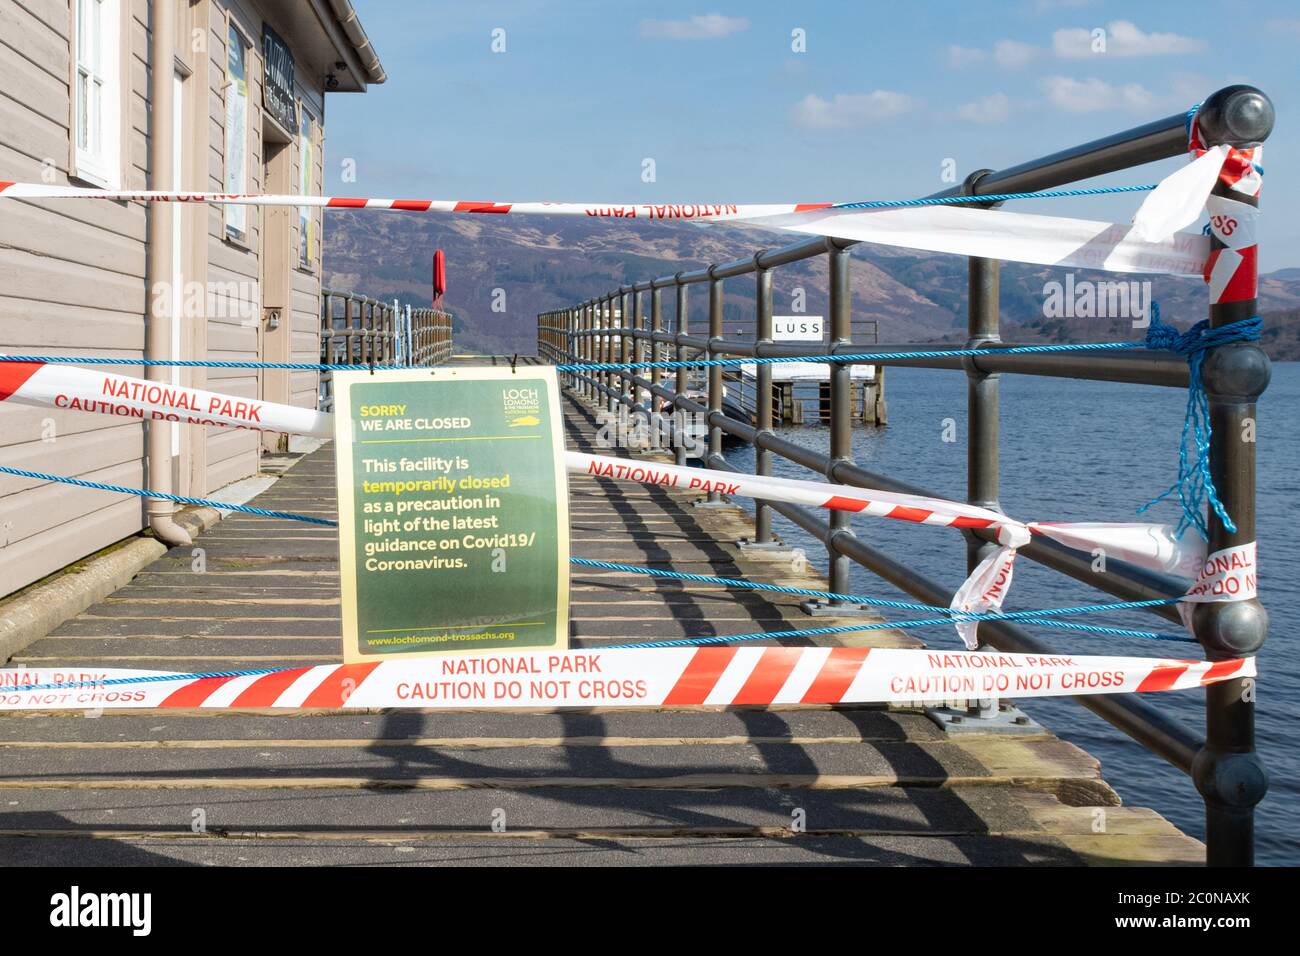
(716, 96)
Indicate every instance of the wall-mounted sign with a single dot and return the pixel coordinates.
(453, 512)
(797, 328)
(277, 86)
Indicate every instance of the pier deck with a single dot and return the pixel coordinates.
(692, 785)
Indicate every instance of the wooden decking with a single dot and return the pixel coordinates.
(864, 785)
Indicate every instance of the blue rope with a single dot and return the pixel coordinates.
(879, 626)
(1031, 617)
(1034, 617)
(590, 367)
(992, 197)
(154, 679)
(953, 616)
(856, 357)
(179, 499)
(1195, 484)
(678, 642)
(198, 363)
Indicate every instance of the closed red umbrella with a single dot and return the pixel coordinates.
(439, 275)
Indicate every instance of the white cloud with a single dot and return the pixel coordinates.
(1122, 39)
(850, 109)
(960, 57)
(989, 109)
(1010, 54)
(1085, 96)
(1013, 54)
(709, 26)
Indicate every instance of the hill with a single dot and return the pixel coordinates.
(503, 271)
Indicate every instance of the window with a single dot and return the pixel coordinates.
(306, 181)
(236, 145)
(97, 102)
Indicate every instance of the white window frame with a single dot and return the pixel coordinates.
(233, 233)
(97, 56)
(306, 186)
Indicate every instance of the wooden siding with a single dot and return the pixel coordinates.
(72, 281)
(233, 272)
(73, 277)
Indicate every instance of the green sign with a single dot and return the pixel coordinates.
(453, 511)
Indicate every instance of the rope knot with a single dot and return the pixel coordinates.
(1194, 484)
(1165, 338)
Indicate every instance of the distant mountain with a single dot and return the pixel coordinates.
(503, 271)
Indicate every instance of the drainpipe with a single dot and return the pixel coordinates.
(158, 328)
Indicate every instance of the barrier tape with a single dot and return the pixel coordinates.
(77, 389)
(667, 677)
(1156, 547)
(1009, 236)
(1231, 272)
(1153, 546)
(654, 212)
(913, 224)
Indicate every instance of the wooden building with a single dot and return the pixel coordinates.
(246, 84)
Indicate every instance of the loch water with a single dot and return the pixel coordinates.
(1093, 451)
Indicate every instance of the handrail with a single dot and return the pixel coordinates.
(369, 332)
(614, 328)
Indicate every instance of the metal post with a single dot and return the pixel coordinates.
(1227, 771)
(584, 349)
(631, 314)
(324, 386)
(656, 325)
(638, 344)
(607, 349)
(386, 334)
(763, 402)
(983, 414)
(982, 398)
(570, 324)
(347, 329)
(841, 388)
(620, 318)
(715, 372)
(571, 344)
(682, 383)
(368, 313)
(593, 343)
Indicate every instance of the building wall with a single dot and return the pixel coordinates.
(72, 281)
(73, 277)
(233, 275)
(306, 283)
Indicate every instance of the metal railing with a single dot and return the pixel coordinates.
(359, 330)
(1222, 762)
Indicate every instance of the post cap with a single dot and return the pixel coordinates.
(1238, 115)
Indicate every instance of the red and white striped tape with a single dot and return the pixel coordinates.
(996, 234)
(53, 385)
(1242, 169)
(1232, 273)
(1151, 546)
(651, 677)
(817, 494)
(651, 212)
